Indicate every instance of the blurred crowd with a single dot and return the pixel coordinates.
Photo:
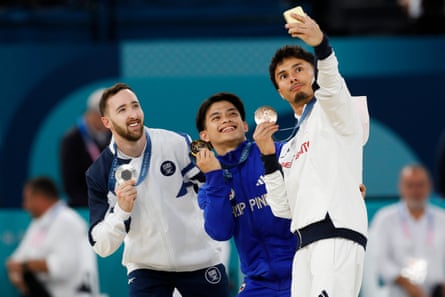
(338, 17)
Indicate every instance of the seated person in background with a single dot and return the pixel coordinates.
(80, 146)
(407, 239)
(54, 257)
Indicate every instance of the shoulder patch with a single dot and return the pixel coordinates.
(168, 168)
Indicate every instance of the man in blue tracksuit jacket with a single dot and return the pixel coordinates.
(234, 199)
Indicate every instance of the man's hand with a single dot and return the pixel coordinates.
(207, 161)
(15, 275)
(362, 189)
(306, 29)
(126, 195)
(263, 137)
(412, 290)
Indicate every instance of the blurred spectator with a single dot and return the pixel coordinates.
(80, 146)
(407, 242)
(425, 16)
(412, 8)
(440, 166)
(54, 258)
(432, 21)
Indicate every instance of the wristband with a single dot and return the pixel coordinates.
(324, 49)
(270, 163)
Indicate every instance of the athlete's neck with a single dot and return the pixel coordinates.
(298, 108)
(227, 147)
(132, 148)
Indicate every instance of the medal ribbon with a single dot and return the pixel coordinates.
(306, 112)
(244, 154)
(430, 224)
(144, 169)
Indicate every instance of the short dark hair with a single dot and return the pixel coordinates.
(43, 185)
(288, 51)
(206, 104)
(108, 92)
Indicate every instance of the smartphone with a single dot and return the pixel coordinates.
(287, 14)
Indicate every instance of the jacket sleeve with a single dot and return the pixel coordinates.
(276, 195)
(213, 198)
(108, 235)
(361, 107)
(275, 185)
(333, 94)
(109, 224)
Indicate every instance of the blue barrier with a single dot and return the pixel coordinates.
(112, 274)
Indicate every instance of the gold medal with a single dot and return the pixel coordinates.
(198, 145)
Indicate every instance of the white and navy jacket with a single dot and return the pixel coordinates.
(164, 231)
(322, 164)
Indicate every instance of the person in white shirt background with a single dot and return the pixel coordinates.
(406, 251)
(54, 257)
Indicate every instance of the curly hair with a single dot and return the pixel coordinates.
(288, 51)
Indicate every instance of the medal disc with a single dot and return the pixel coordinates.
(198, 145)
(265, 114)
(124, 173)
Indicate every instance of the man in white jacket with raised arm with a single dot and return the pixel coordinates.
(314, 179)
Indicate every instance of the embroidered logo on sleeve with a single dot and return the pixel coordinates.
(168, 168)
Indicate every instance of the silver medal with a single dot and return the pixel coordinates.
(124, 173)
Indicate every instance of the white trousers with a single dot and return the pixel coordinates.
(328, 268)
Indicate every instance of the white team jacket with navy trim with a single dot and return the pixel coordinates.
(165, 230)
(322, 164)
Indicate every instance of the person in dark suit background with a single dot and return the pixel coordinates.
(80, 146)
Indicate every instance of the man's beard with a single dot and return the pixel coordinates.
(301, 97)
(127, 135)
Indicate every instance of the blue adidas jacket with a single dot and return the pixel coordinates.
(235, 206)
